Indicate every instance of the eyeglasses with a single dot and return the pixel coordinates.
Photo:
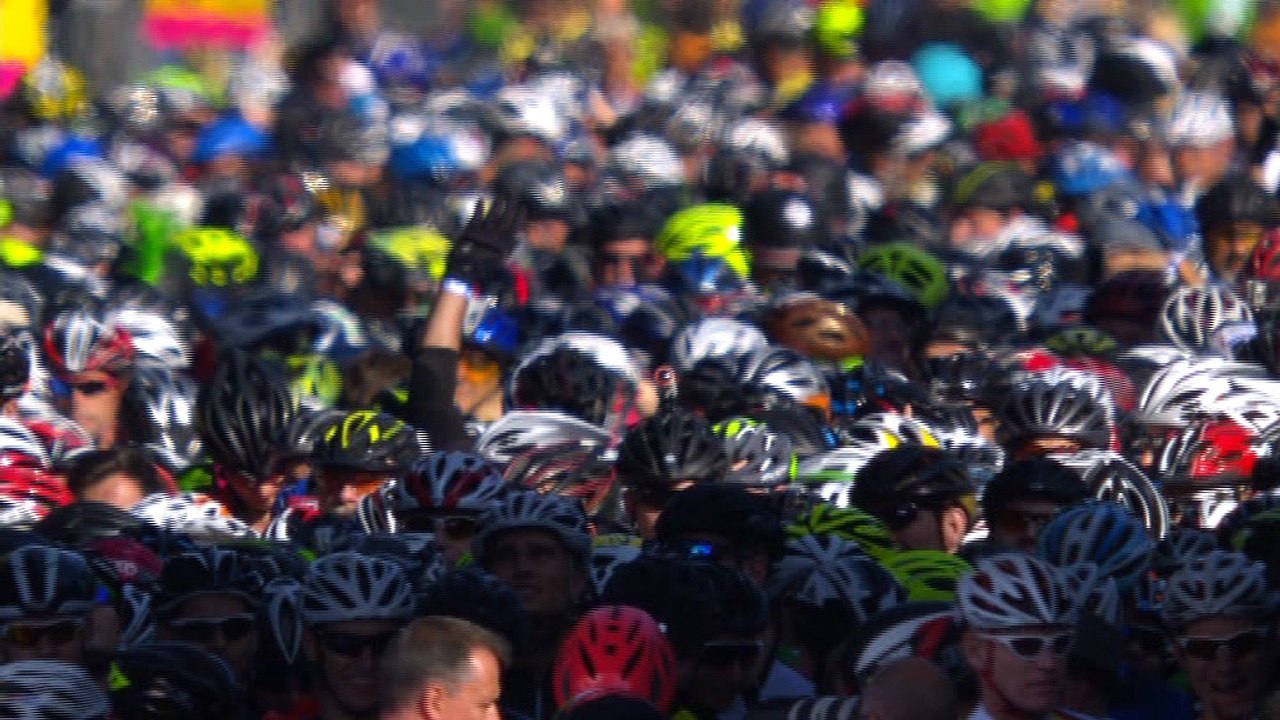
(26, 635)
(1240, 645)
(690, 550)
(203, 631)
(728, 653)
(88, 388)
(352, 645)
(1030, 647)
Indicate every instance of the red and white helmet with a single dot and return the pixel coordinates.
(1012, 590)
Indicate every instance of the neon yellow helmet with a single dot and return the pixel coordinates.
(56, 91)
(919, 272)
(314, 377)
(836, 27)
(15, 253)
(871, 534)
(219, 257)
(710, 230)
(6, 213)
(418, 248)
(928, 575)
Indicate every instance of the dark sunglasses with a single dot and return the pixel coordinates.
(1150, 639)
(726, 654)
(454, 527)
(26, 635)
(1240, 645)
(1030, 647)
(204, 630)
(1019, 523)
(352, 645)
(87, 388)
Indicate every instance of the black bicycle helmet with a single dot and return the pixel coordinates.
(1033, 479)
(15, 366)
(76, 524)
(1044, 406)
(243, 412)
(896, 483)
(713, 388)
(965, 377)
(42, 580)
(750, 521)
(975, 320)
(671, 447)
(540, 188)
(781, 219)
(697, 602)
(165, 680)
(206, 570)
(569, 381)
(369, 441)
(472, 594)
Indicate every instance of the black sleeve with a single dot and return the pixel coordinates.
(430, 407)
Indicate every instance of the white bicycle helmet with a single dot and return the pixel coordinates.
(784, 375)
(519, 431)
(758, 457)
(79, 341)
(1055, 405)
(50, 690)
(649, 159)
(757, 137)
(822, 569)
(18, 444)
(716, 337)
(1219, 583)
(168, 400)
(1199, 120)
(561, 515)
(448, 481)
(1191, 315)
(524, 110)
(1114, 478)
(1012, 590)
(347, 586)
(199, 516)
(983, 457)
(156, 340)
(1181, 391)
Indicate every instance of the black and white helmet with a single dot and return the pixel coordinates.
(1192, 316)
(41, 580)
(50, 690)
(716, 337)
(520, 431)
(785, 376)
(1050, 405)
(350, 586)
(1114, 478)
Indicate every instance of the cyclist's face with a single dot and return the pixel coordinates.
(1232, 681)
(1033, 686)
(1230, 247)
(539, 568)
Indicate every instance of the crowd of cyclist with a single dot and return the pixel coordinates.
(898, 359)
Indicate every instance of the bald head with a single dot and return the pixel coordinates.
(910, 689)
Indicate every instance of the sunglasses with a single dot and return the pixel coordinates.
(26, 635)
(88, 388)
(454, 527)
(1149, 639)
(1030, 647)
(202, 631)
(1017, 523)
(1240, 645)
(351, 645)
(726, 654)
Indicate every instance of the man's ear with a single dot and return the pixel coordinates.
(955, 525)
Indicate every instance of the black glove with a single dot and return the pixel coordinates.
(485, 243)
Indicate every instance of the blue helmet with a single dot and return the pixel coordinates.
(230, 135)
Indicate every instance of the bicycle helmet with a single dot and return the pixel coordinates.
(710, 231)
(1039, 478)
(696, 602)
(1114, 479)
(42, 580)
(566, 381)
(1012, 590)
(1093, 593)
(243, 412)
(447, 481)
(1179, 547)
(868, 531)
(914, 269)
(1217, 583)
(203, 571)
(816, 327)
(615, 649)
(776, 224)
(895, 484)
(1053, 405)
(1212, 453)
(978, 321)
(15, 364)
(562, 516)
(669, 448)
(1192, 315)
(472, 594)
(1101, 533)
(167, 401)
(570, 471)
(911, 629)
(163, 680)
(369, 441)
(757, 456)
(827, 571)
(1235, 199)
(1135, 295)
(648, 160)
(198, 516)
(717, 337)
(346, 586)
(51, 690)
(926, 575)
(29, 494)
(784, 376)
(521, 431)
(216, 257)
(78, 341)
(1183, 391)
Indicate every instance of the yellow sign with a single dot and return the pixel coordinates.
(22, 31)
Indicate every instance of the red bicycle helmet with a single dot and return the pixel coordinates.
(28, 490)
(79, 341)
(616, 649)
